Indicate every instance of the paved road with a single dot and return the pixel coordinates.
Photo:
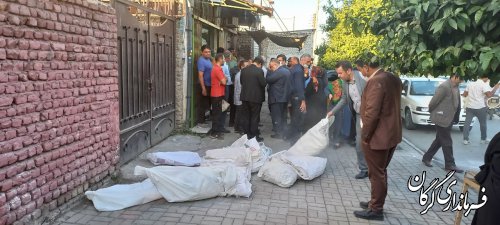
(469, 157)
(328, 199)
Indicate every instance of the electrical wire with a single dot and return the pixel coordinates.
(274, 10)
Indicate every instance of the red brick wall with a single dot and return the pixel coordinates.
(59, 131)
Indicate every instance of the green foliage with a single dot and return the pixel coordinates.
(440, 36)
(320, 51)
(350, 38)
(331, 20)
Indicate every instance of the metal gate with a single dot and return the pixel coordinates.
(146, 49)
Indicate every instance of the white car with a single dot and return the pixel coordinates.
(415, 98)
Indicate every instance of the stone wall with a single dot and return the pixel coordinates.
(271, 50)
(180, 74)
(244, 46)
(59, 128)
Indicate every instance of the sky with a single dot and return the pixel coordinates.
(302, 10)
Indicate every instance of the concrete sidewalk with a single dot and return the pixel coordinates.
(329, 199)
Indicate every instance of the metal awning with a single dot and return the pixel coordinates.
(243, 5)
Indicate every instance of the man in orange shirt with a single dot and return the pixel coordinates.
(217, 95)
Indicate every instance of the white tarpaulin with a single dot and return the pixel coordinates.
(278, 172)
(241, 156)
(307, 167)
(181, 158)
(122, 196)
(180, 184)
(314, 141)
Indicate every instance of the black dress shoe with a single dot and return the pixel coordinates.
(427, 163)
(364, 205)
(361, 175)
(457, 170)
(259, 139)
(368, 214)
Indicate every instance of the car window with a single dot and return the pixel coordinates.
(405, 86)
(424, 88)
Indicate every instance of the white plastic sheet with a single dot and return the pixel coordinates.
(243, 187)
(306, 167)
(180, 184)
(241, 156)
(259, 157)
(122, 196)
(278, 172)
(314, 141)
(258, 151)
(181, 158)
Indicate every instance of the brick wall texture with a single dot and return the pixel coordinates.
(59, 131)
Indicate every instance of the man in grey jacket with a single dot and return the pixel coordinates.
(352, 90)
(445, 109)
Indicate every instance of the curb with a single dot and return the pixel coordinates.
(439, 162)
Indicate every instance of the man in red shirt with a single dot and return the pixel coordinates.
(216, 96)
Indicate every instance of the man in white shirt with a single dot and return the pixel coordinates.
(352, 92)
(477, 92)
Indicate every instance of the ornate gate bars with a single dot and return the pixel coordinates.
(146, 49)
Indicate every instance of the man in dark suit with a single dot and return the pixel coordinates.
(381, 132)
(445, 109)
(297, 100)
(278, 80)
(489, 178)
(253, 86)
(352, 91)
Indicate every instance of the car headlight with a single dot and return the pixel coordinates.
(423, 109)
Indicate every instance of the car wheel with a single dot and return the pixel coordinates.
(409, 121)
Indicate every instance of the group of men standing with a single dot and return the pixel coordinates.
(372, 95)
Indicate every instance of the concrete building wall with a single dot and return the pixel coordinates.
(59, 121)
(271, 50)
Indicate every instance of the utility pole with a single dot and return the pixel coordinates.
(315, 34)
(293, 27)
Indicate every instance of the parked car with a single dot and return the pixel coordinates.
(332, 75)
(415, 98)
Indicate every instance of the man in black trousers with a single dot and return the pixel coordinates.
(278, 78)
(297, 99)
(253, 86)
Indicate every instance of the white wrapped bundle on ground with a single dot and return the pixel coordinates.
(241, 156)
(306, 167)
(181, 158)
(122, 196)
(278, 172)
(259, 152)
(243, 187)
(259, 157)
(180, 184)
(240, 142)
(314, 141)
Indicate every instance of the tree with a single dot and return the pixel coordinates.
(344, 43)
(440, 36)
(331, 20)
(320, 51)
